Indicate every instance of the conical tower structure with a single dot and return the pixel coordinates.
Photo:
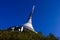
(28, 24)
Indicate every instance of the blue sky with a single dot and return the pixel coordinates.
(46, 17)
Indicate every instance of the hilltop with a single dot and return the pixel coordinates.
(25, 35)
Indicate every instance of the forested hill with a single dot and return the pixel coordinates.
(25, 35)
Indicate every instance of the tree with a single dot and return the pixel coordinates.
(51, 37)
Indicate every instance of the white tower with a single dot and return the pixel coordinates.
(28, 24)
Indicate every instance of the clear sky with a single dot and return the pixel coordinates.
(46, 17)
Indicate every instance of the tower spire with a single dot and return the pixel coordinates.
(28, 24)
(30, 16)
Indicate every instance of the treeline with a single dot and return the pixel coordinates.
(49, 37)
(26, 35)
